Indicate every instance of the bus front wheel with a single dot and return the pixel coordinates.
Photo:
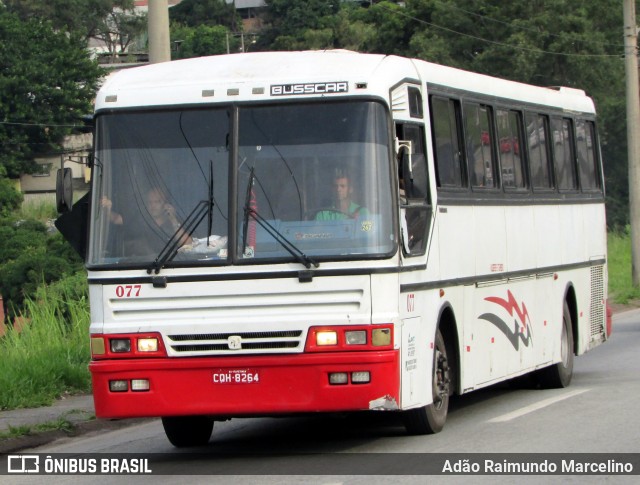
(185, 431)
(430, 419)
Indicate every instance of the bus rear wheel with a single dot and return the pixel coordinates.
(185, 431)
(430, 419)
(559, 375)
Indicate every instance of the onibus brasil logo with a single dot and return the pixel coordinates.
(520, 330)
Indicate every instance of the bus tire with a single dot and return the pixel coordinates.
(185, 431)
(430, 419)
(559, 375)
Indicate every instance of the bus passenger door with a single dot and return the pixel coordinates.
(416, 210)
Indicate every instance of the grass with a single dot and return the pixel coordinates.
(17, 431)
(50, 355)
(41, 210)
(621, 289)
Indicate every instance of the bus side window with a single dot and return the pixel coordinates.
(563, 153)
(479, 144)
(446, 142)
(587, 158)
(509, 125)
(538, 145)
(414, 190)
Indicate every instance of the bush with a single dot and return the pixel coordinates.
(50, 355)
(29, 258)
(10, 198)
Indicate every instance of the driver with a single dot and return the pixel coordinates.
(343, 207)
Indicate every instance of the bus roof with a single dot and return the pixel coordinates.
(251, 77)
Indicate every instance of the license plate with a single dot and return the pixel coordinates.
(236, 376)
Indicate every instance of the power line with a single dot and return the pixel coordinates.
(503, 44)
(520, 27)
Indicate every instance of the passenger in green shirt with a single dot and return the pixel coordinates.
(343, 207)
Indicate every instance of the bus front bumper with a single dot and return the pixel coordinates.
(245, 385)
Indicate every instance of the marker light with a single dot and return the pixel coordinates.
(381, 337)
(327, 338)
(148, 344)
(118, 386)
(338, 378)
(356, 337)
(119, 345)
(97, 346)
(140, 384)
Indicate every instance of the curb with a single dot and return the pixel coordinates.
(11, 445)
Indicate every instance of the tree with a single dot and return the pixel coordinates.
(193, 13)
(47, 84)
(288, 20)
(79, 16)
(200, 41)
(120, 27)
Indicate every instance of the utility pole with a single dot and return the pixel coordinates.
(633, 132)
(158, 27)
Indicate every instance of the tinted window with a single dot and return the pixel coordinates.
(509, 124)
(537, 138)
(478, 142)
(562, 136)
(446, 142)
(587, 159)
(415, 103)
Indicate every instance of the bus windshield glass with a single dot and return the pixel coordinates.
(296, 182)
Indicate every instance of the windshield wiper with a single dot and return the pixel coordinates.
(292, 249)
(170, 249)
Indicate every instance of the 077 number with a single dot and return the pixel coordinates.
(127, 291)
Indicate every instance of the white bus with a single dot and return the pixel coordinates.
(301, 232)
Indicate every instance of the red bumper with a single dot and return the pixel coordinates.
(287, 384)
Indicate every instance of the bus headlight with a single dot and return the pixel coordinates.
(147, 345)
(356, 337)
(120, 345)
(328, 337)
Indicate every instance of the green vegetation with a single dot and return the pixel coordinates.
(31, 256)
(621, 290)
(48, 84)
(17, 431)
(49, 356)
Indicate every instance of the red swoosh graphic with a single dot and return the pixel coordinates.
(511, 305)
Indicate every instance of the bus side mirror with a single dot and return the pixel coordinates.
(64, 190)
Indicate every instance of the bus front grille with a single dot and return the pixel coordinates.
(227, 343)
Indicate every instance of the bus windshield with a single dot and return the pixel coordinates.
(295, 182)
